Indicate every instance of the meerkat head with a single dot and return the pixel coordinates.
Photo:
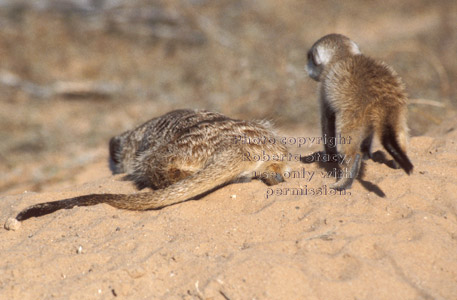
(329, 49)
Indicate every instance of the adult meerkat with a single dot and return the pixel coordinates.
(359, 97)
(181, 155)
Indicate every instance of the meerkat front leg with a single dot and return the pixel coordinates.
(328, 119)
(328, 128)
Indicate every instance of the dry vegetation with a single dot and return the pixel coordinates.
(74, 73)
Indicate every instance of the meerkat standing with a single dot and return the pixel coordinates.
(359, 97)
(181, 155)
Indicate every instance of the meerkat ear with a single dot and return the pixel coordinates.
(354, 48)
(322, 55)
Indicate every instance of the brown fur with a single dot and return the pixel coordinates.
(360, 97)
(182, 155)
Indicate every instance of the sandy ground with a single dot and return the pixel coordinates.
(133, 60)
(237, 243)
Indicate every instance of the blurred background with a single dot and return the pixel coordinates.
(73, 73)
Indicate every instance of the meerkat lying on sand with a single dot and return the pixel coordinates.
(181, 155)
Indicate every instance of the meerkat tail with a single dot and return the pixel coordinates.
(390, 143)
(46, 208)
(202, 181)
(188, 188)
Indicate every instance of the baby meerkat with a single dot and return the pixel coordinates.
(181, 155)
(359, 97)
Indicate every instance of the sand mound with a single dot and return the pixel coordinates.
(246, 241)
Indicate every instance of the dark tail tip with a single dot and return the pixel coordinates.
(46, 208)
(390, 143)
(42, 209)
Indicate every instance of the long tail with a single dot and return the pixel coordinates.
(389, 141)
(207, 179)
(197, 184)
(45, 208)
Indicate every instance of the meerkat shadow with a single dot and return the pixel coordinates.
(331, 166)
(371, 187)
(316, 157)
(381, 158)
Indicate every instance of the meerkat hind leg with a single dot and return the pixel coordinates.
(328, 119)
(396, 150)
(352, 156)
(366, 147)
(274, 176)
(346, 181)
(211, 176)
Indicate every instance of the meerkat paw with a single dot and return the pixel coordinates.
(342, 184)
(367, 156)
(380, 157)
(393, 164)
(345, 182)
(273, 180)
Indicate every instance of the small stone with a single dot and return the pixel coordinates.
(12, 224)
(137, 272)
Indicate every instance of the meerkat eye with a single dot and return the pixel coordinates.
(311, 57)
